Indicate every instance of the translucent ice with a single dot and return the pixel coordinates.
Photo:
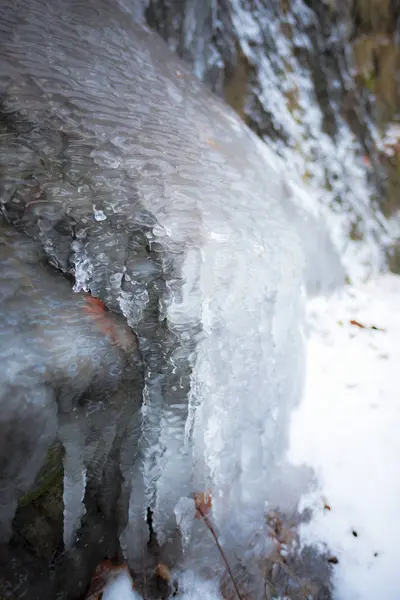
(198, 251)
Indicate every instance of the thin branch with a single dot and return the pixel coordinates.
(293, 576)
(212, 531)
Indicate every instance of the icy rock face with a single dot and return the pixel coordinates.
(63, 383)
(154, 196)
(61, 378)
(286, 68)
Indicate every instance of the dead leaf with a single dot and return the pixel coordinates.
(327, 506)
(203, 503)
(333, 560)
(362, 326)
(163, 572)
(357, 324)
(120, 335)
(282, 534)
(104, 571)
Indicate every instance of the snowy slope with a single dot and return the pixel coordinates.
(347, 429)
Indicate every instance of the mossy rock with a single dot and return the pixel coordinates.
(49, 475)
(394, 258)
(40, 514)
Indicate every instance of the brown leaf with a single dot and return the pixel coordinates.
(203, 503)
(333, 560)
(118, 333)
(361, 326)
(163, 572)
(102, 574)
(357, 324)
(327, 506)
(279, 531)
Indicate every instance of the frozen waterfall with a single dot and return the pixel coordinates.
(138, 186)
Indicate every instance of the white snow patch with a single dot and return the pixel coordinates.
(193, 588)
(347, 429)
(120, 588)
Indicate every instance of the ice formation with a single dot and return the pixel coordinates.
(193, 246)
(289, 72)
(153, 196)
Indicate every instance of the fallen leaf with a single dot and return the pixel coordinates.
(327, 506)
(104, 571)
(357, 324)
(333, 560)
(361, 326)
(163, 572)
(203, 503)
(281, 533)
(119, 334)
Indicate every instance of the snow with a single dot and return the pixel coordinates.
(120, 588)
(193, 587)
(346, 428)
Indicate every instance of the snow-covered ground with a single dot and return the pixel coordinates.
(348, 429)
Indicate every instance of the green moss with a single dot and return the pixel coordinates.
(375, 15)
(377, 58)
(392, 168)
(49, 476)
(394, 259)
(39, 518)
(307, 176)
(236, 85)
(356, 234)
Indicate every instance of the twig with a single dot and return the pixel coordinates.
(293, 576)
(212, 531)
(271, 586)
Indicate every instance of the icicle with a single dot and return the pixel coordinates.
(74, 480)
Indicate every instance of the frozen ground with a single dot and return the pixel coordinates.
(348, 429)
